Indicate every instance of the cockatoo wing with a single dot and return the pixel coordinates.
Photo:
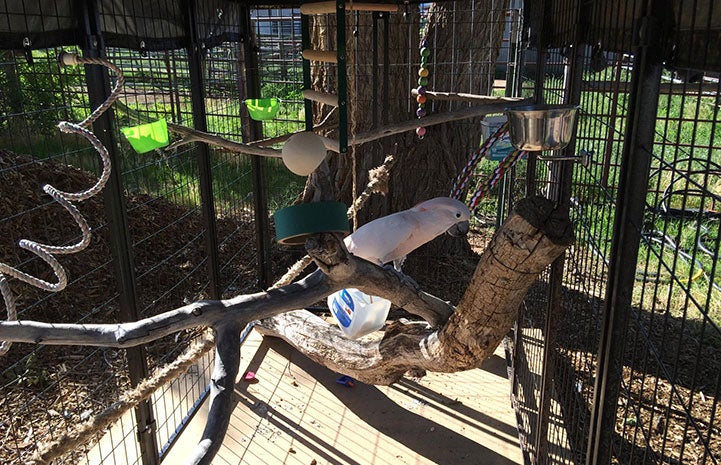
(380, 240)
(392, 237)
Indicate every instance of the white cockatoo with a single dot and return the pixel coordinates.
(391, 238)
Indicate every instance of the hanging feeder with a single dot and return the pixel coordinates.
(294, 224)
(541, 127)
(261, 109)
(146, 137)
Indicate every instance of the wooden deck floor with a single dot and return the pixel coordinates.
(296, 413)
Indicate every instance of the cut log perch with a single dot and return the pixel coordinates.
(461, 97)
(531, 238)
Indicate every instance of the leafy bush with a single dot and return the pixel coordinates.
(38, 94)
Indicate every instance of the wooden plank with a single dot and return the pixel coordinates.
(322, 97)
(321, 55)
(319, 8)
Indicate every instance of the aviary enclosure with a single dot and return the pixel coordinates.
(615, 356)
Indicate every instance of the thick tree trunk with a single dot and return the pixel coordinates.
(528, 242)
(462, 60)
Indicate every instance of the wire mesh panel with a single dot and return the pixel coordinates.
(46, 390)
(667, 376)
(670, 382)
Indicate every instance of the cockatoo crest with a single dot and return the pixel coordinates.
(392, 237)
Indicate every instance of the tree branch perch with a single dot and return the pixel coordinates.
(532, 237)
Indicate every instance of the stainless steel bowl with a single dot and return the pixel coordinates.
(541, 127)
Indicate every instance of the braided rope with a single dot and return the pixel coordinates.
(465, 175)
(506, 164)
(47, 252)
(84, 432)
(485, 186)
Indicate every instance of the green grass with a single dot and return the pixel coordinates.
(689, 143)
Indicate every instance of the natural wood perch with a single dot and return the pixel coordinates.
(432, 120)
(193, 135)
(461, 97)
(529, 240)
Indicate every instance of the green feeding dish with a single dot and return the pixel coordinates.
(262, 109)
(294, 224)
(146, 137)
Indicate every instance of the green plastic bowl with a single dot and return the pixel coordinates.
(262, 109)
(294, 224)
(147, 137)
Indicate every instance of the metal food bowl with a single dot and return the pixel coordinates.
(541, 127)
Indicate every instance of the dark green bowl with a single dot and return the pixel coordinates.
(294, 224)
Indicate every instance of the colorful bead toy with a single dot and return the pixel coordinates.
(421, 98)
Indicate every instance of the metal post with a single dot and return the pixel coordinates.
(98, 90)
(260, 195)
(562, 180)
(374, 87)
(342, 77)
(512, 71)
(628, 223)
(305, 44)
(539, 98)
(505, 197)
(386, 63)
(197, 94)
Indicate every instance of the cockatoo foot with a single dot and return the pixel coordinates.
(402, 277)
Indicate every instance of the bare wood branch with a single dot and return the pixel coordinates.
(461, 97)
(212, 139)
(432, 120)
(343, 270)
(222, 383)
(193, 135)
(529, 240)
(409, 125)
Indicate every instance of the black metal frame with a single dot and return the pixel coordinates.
(605, 410)
(588, 409)
(98, 90)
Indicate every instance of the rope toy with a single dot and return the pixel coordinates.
(504, 165)
(47, 252)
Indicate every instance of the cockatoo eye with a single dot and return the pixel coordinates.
(458, 214)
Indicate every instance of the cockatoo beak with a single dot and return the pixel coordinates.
(459, 229)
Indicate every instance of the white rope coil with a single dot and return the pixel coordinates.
(47, 252)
